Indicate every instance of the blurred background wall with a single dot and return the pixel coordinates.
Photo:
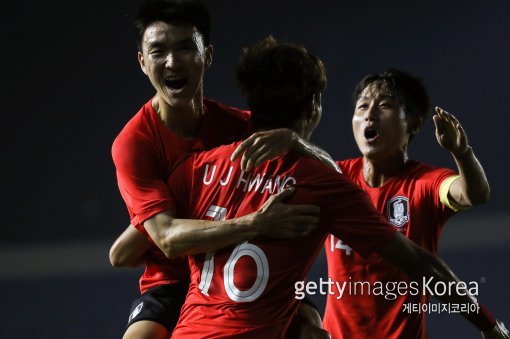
(71, 81)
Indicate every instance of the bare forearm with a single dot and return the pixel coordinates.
(473, 185)
(181, 237)
(129, 249)
(458, 292)
(435, 271)
(128, 261)
(198, 236)
(422, 266)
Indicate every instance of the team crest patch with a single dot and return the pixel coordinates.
(398, 211)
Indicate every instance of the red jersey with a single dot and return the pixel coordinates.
(145, 152)
(410, 202)
(248, 289)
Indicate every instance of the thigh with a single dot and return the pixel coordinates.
(146, 329)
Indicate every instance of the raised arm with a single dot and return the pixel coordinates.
(179, 237)
(420, 265)
(471, 187)
(266, 145)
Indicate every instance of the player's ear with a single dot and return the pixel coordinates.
(141, 61)
(309, 109)
(208, 56)
(313, 108)
(414, 125)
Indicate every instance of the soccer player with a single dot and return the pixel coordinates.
(248, 289)
(416, 199)
(174, 52)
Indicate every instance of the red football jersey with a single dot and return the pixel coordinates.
(145, 153)
(248, 289)
(410, 202)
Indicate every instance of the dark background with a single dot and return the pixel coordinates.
(71, 81)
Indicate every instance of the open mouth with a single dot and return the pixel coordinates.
(176, 84)
(371, 134)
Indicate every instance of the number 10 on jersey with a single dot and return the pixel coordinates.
(241, 250)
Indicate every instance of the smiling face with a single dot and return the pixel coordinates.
(174, 58)
(379, 123)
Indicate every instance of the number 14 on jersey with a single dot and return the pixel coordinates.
(338, 244)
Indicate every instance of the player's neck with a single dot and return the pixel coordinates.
(376, 171)
(303, 129)
(183, 120)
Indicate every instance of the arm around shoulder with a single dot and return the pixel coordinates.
(180, 237)
(267, 145)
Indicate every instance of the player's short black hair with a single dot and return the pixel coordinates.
(409, 90)
(277, 80)
(173, 12)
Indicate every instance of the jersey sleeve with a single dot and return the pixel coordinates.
(180, 186)
(140, 181)
(348, 213)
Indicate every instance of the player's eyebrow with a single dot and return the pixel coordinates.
(186, 41)
(155, 44)
(382, 97)
(386, 96)
(162, 44)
